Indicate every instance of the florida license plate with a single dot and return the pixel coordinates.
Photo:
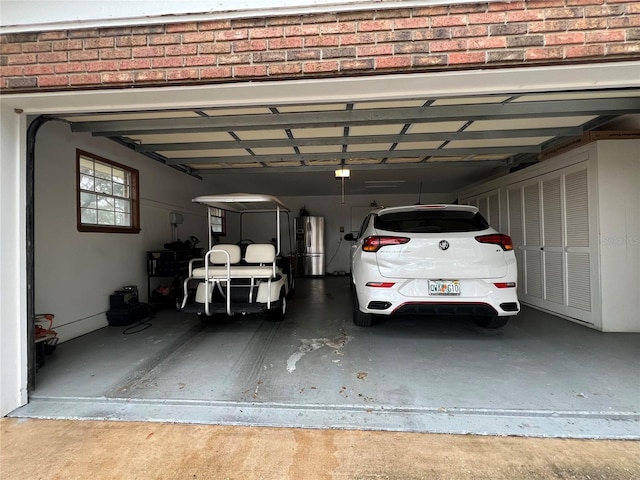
(444, 287)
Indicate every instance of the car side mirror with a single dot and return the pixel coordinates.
(349, 237)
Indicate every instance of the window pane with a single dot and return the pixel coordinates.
(103, 171)
(122, 206)
(86, 182)
(119, 190)
(123, 219)
(105, 203)
(106, 218)
(86, 166)
(88, 215)
(87, 200)
(104, 186)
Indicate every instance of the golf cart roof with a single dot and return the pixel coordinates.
(242, 202)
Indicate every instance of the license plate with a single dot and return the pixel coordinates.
(444, 287)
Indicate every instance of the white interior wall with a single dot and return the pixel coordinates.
(619, 219)
(75, 272)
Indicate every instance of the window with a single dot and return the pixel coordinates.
(217, 221)
(108, 197)
(431, 222)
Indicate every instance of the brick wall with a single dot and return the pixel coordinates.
(467, 36)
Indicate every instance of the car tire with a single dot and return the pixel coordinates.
(361, 319)
(277, 314)
(490, 321)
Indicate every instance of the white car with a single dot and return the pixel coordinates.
(432, 260)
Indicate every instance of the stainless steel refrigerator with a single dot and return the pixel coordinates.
(310, 246)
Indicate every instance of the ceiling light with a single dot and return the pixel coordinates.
(343, 173)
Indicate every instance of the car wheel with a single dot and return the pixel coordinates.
(361, 319)
(490, 321)
(277, 314)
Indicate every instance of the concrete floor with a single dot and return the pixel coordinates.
(540, 376)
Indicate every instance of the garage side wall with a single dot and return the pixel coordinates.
(77, 271)
(406, 40)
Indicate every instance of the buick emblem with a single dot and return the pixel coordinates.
(444, 245)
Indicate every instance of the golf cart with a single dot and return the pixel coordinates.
(245, 277)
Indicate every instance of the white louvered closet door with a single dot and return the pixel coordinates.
(553, 253)
(578, 248)
(532, 242)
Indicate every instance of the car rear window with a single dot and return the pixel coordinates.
(431, 221)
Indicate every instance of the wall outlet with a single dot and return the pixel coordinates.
(342, 229)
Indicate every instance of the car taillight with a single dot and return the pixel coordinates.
(375, 243)
(505, 284)
(380, 284)
(497, 239)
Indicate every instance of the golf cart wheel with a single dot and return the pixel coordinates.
(277, 314)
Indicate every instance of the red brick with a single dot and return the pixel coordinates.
(115, 53)
(83, 55)
(131, 41)
(473, 31)
(585, 51)
(375, 25)
(53, 57)
(448, 21)
(10, 48)
(58, 35)
(623, 49)
(448, 45)
(413, 47)
(12, 71)
(357, 39)
(432, 34)
(200, 61)
(374, 50)
(214, 48)
(555, 13)
(164, 39)
(117, 77)
(53, 81)
(103, 42)
(74, 67)
(604, 37)
(604, 11)
(85, 79)
(174, 50)
(198, 37)
(564, 38)
(286, 43)
(36, 47)
(215, 25)
(596, 23)
(368, 64)
(249, 46)
(102, 66)
(269, 32)
(545, 3)
(524, 16)
(241, 59)
(486, 43)
(551, 26)
(150, 76)
(393, 62)
(146, 52)
(183, 74)
(47, 69)
(136, 64)
(502, 6)
(319, 67)
(550, 53)
(232, 35)
(171, 62)
(268, 57)
(23, 59)
(285, 69)
(465, 58)
(215, 72)
(584, 2)
(479, 18)
(429, 60)
(409, 23)
(250, 71)
(301, 30)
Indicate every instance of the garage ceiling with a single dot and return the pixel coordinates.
(438, 145)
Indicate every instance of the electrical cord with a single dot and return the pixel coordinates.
(143, 323)
(335, 253)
